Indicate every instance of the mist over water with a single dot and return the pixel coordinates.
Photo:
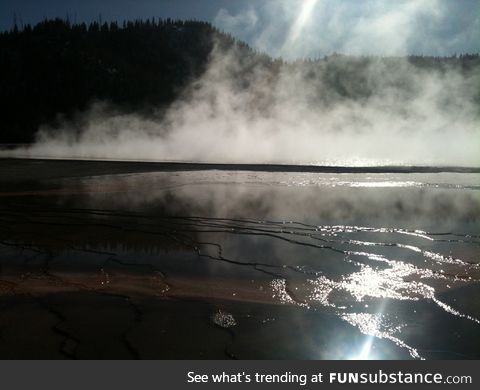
(248, 108)
(286, 117)
(113, 260)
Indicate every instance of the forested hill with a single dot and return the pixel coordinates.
(58, 68)
(55, 69)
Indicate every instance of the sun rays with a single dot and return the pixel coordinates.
(306, 9)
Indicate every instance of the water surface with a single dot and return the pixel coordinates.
(238, 264)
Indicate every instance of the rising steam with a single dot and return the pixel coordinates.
(245, 110)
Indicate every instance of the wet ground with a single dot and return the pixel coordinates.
(108, 260)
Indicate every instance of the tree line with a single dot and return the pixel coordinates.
(55, 69)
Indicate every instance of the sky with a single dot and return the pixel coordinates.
(294, 28)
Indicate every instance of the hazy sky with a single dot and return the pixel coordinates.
(295, 28)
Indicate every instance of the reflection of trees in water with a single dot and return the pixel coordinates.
(112, 233)
(297, 262)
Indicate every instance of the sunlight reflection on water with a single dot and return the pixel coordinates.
(386, 256)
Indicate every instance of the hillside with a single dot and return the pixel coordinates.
(57, 68)
(53, 70)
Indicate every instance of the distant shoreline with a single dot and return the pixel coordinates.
(134, 166)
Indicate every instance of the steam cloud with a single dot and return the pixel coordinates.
(245, 111)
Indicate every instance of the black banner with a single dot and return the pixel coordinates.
(192, 375)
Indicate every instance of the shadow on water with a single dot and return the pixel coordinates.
(225, 264)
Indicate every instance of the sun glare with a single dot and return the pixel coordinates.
(300, 22)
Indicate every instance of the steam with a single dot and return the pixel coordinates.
(249, 110)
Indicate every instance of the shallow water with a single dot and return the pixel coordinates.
(217, 264)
